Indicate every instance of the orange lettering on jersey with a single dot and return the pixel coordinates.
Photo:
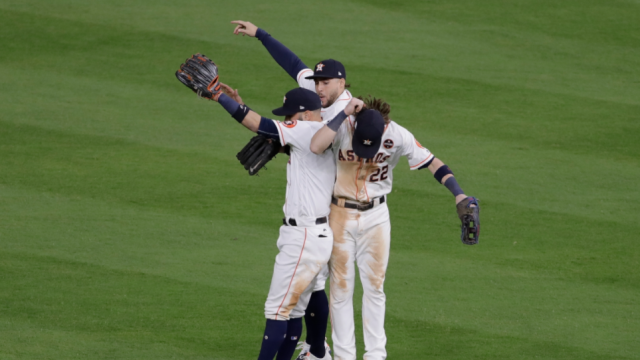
(290, 123)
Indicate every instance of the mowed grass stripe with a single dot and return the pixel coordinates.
(112, 307)
(213, 252)
(115, 170)
(439, 41)
(147, 313)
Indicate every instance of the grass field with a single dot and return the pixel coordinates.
(129, 231)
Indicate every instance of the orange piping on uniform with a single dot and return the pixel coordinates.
(357, 174)
(294, 274)
(302, 72)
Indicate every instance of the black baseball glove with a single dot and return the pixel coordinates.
(200, 74)
(470, 217)
(259, 151)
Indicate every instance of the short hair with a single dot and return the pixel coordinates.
(377, 104)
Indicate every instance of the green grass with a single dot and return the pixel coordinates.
(128, 229)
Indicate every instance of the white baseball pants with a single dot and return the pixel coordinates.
(361, 237)
(303, 253)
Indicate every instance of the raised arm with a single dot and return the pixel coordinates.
(245, 116)
(280, 53)
(325, 136)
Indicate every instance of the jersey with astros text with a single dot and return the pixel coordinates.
(310, 177)
(365, 179)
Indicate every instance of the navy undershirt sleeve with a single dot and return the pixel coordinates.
(268, 129)
(228, 104)
(289, 61)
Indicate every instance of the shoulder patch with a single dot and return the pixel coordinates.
(388, 144)
(290, 123)
(417, 143)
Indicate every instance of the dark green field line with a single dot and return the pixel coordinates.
(125, 306)
(132, 307)
(116, 170)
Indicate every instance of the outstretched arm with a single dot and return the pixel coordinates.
(324, 137)
(247, 117)
(444, 175)
(280, 53)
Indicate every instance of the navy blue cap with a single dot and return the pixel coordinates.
(298, 100)
(328, 69)
(368, 133)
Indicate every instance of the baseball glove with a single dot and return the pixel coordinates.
(470, 217)
(200, 74)
(257, 153)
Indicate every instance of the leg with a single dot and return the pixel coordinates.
(372, 258)
(316, 318)
(274, 335)
(297, 264)
(288, 347)
(342, 282)
(296, 267)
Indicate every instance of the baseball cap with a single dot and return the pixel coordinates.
(368, 133)
(328, 69)
(298, 100)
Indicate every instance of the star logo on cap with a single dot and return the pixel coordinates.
(319, 67)
(301, 107)
(367, 142)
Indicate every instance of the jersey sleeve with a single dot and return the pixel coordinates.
(417, 154)
(308, 84)
(298, 134)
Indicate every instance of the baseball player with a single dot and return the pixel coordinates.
(331, 87)
(366, 149)
(305, 242)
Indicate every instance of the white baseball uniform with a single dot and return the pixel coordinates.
(305, 244)
(364, 236)
(328, 113)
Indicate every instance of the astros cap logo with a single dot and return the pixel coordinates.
(319, 67)
(367, 142)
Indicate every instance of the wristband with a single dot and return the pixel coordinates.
(442, 172)
(241, 113)
(334, 124)
(234, 109)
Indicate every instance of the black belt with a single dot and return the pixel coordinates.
(359, 206)
(292, 221)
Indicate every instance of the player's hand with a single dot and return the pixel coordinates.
(244, 28)
(354, 106)
(228, 90)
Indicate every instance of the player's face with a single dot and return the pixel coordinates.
(329, 90)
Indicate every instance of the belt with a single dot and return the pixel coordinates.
(292, 221)
(358, 206)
